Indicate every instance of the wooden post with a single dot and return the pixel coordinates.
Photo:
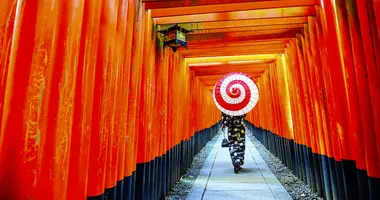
(82, 122)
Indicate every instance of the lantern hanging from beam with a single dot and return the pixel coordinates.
(175, 37)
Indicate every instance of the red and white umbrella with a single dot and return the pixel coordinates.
(236, 94)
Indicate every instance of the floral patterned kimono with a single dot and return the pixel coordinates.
(236, 138)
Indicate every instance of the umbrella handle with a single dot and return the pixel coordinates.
(224, 133)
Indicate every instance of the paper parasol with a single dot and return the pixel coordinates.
(236, 94)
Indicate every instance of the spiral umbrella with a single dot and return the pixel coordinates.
(236, 94)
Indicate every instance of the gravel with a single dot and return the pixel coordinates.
(182, 188)
(296, 188)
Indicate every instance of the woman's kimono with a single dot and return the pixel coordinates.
(236, 137)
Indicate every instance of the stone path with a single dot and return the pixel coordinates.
(255, 181)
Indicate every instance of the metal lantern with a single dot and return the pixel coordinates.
(175, 37)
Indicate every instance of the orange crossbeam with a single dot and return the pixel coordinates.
(240, 43)
(240, 15)
(248, 64)
(211, 80)
(240, 39)
(229, 64)
(217, 77)
(253, 28)
(233, 49)
(240, 23)
(153, 4)
(243, 34)
(222, 59)
(232, 53)
(221, 72)
(261, 64)
(177, 11)
(211, 87)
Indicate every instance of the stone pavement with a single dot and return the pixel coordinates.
(217, 179)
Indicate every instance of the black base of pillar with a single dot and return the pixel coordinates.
(350, 180)
(374, 188)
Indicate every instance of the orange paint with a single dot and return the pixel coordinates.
(88, 92)
(7, 17)
(197, 9)
(13, 168)
(211, 36)
(130, 92)
(234, 53)
(123, 58)
(240, 23)
(49, 82)
(328, 101)
(318, 89)
(56, 142)
(372, 63)
(248, 49)
(314, 107)
(82, 122)
(219, 39)
(102, 133)
(135, 80)
(150, 4)
(376, 7)
(147, 91)
(240, 15)
(240, 44)
(225, 69)
(355, 126)
(292, 95)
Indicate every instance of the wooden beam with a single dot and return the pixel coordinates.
(256, 64)
(210, 87)
(240, 43)
(208, 73)
(240, 23)
(240, 39)
(149, 4)
(232, 49)
(232, 53)
(212, 84)
(227, 66)
(215, 78)
(249, 64)
(201, 74)
(240, 15)
(249, 28)
(218, 77)
(192, 10)
(212, 80)
(231, 58)
(242, 34)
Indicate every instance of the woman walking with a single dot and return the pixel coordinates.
(236, 138)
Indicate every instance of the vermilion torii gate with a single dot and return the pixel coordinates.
(90, 102)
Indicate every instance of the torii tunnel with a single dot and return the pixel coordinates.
(93, 107)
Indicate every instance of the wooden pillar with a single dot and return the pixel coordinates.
(367, 104)
(7, 20)
(322, 81)
(21, 68)
(80, 141)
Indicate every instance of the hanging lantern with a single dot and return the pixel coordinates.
(175, 37)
